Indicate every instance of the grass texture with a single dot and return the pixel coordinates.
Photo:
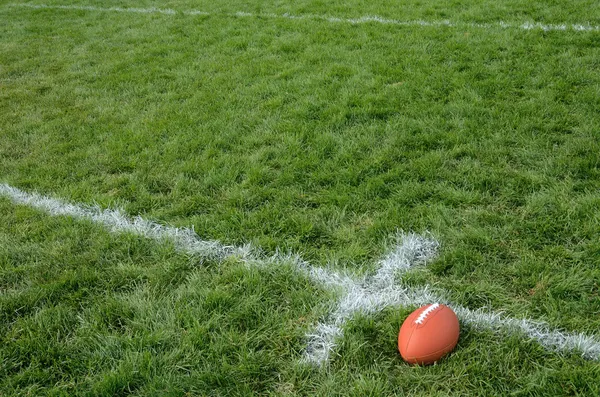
(303, 135)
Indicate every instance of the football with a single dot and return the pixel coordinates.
(428, 334)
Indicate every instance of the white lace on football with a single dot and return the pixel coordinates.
(426, 312)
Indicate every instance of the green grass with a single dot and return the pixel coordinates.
(83, 312)
(315, 137)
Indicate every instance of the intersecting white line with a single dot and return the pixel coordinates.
(367, 294)
(374, 293)
(582, 27)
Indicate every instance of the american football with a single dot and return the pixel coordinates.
(428, 334)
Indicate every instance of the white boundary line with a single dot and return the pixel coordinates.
(581, 27)
(368, 294)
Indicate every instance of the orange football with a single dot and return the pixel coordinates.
(428, 334)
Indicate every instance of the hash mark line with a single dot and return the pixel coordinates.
(577, 27)
(368, 294)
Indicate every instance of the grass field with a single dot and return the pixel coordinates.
(309, 135)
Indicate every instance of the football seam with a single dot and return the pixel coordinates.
(412, 331)
(432, 353)
(439, 350)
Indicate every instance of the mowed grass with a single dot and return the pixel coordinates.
(316, 137)
(84, 312)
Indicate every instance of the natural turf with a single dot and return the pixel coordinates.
(89, 313)
(316, 137)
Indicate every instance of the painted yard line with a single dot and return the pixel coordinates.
(582, 27)
(368, 294)
(373, 294)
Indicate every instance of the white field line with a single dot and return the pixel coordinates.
(368, 294)
(583, 27)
